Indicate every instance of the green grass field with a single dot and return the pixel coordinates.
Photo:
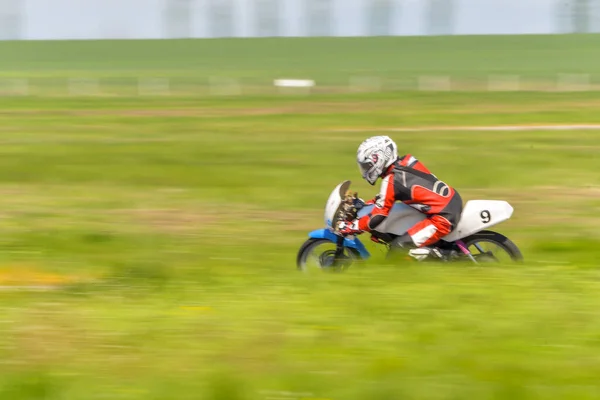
(173, 223)
(332, 62)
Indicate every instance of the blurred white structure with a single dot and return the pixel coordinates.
(139, 19)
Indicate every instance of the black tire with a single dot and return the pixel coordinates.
(310, 244)
(500, 240)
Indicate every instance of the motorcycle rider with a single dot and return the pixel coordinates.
(405, 179)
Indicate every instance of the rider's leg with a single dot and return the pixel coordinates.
(429, 230)
(421, 235)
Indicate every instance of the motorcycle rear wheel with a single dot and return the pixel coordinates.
(475, 244)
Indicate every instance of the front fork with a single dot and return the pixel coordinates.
(340, 259)
(339, 250)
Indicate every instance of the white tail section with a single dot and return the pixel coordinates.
(478, 215)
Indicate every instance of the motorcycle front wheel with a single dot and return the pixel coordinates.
(320, 254)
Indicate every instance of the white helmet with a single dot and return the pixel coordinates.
(374, 156)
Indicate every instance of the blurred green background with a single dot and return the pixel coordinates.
(172, 223)
(335, 64)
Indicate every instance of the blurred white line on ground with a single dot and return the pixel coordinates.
(298, 86)
(301, 83)
(507, 128)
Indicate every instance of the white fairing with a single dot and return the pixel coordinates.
(477, 215)
(334, 201)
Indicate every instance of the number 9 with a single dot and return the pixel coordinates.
(485, 216)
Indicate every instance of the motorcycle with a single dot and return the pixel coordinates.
(468, 241)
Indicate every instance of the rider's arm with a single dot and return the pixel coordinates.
(383, 205)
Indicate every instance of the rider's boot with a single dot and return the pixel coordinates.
(405, 242)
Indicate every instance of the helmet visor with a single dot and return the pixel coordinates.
(364, 168)
(368, 171)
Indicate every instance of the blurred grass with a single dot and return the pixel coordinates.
(538, 54)
(191, 214)
(176, 221)
(333, 62)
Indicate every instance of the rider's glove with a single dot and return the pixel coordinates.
(373, 201)
(346, 228)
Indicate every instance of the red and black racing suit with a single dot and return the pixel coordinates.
(409, 181)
